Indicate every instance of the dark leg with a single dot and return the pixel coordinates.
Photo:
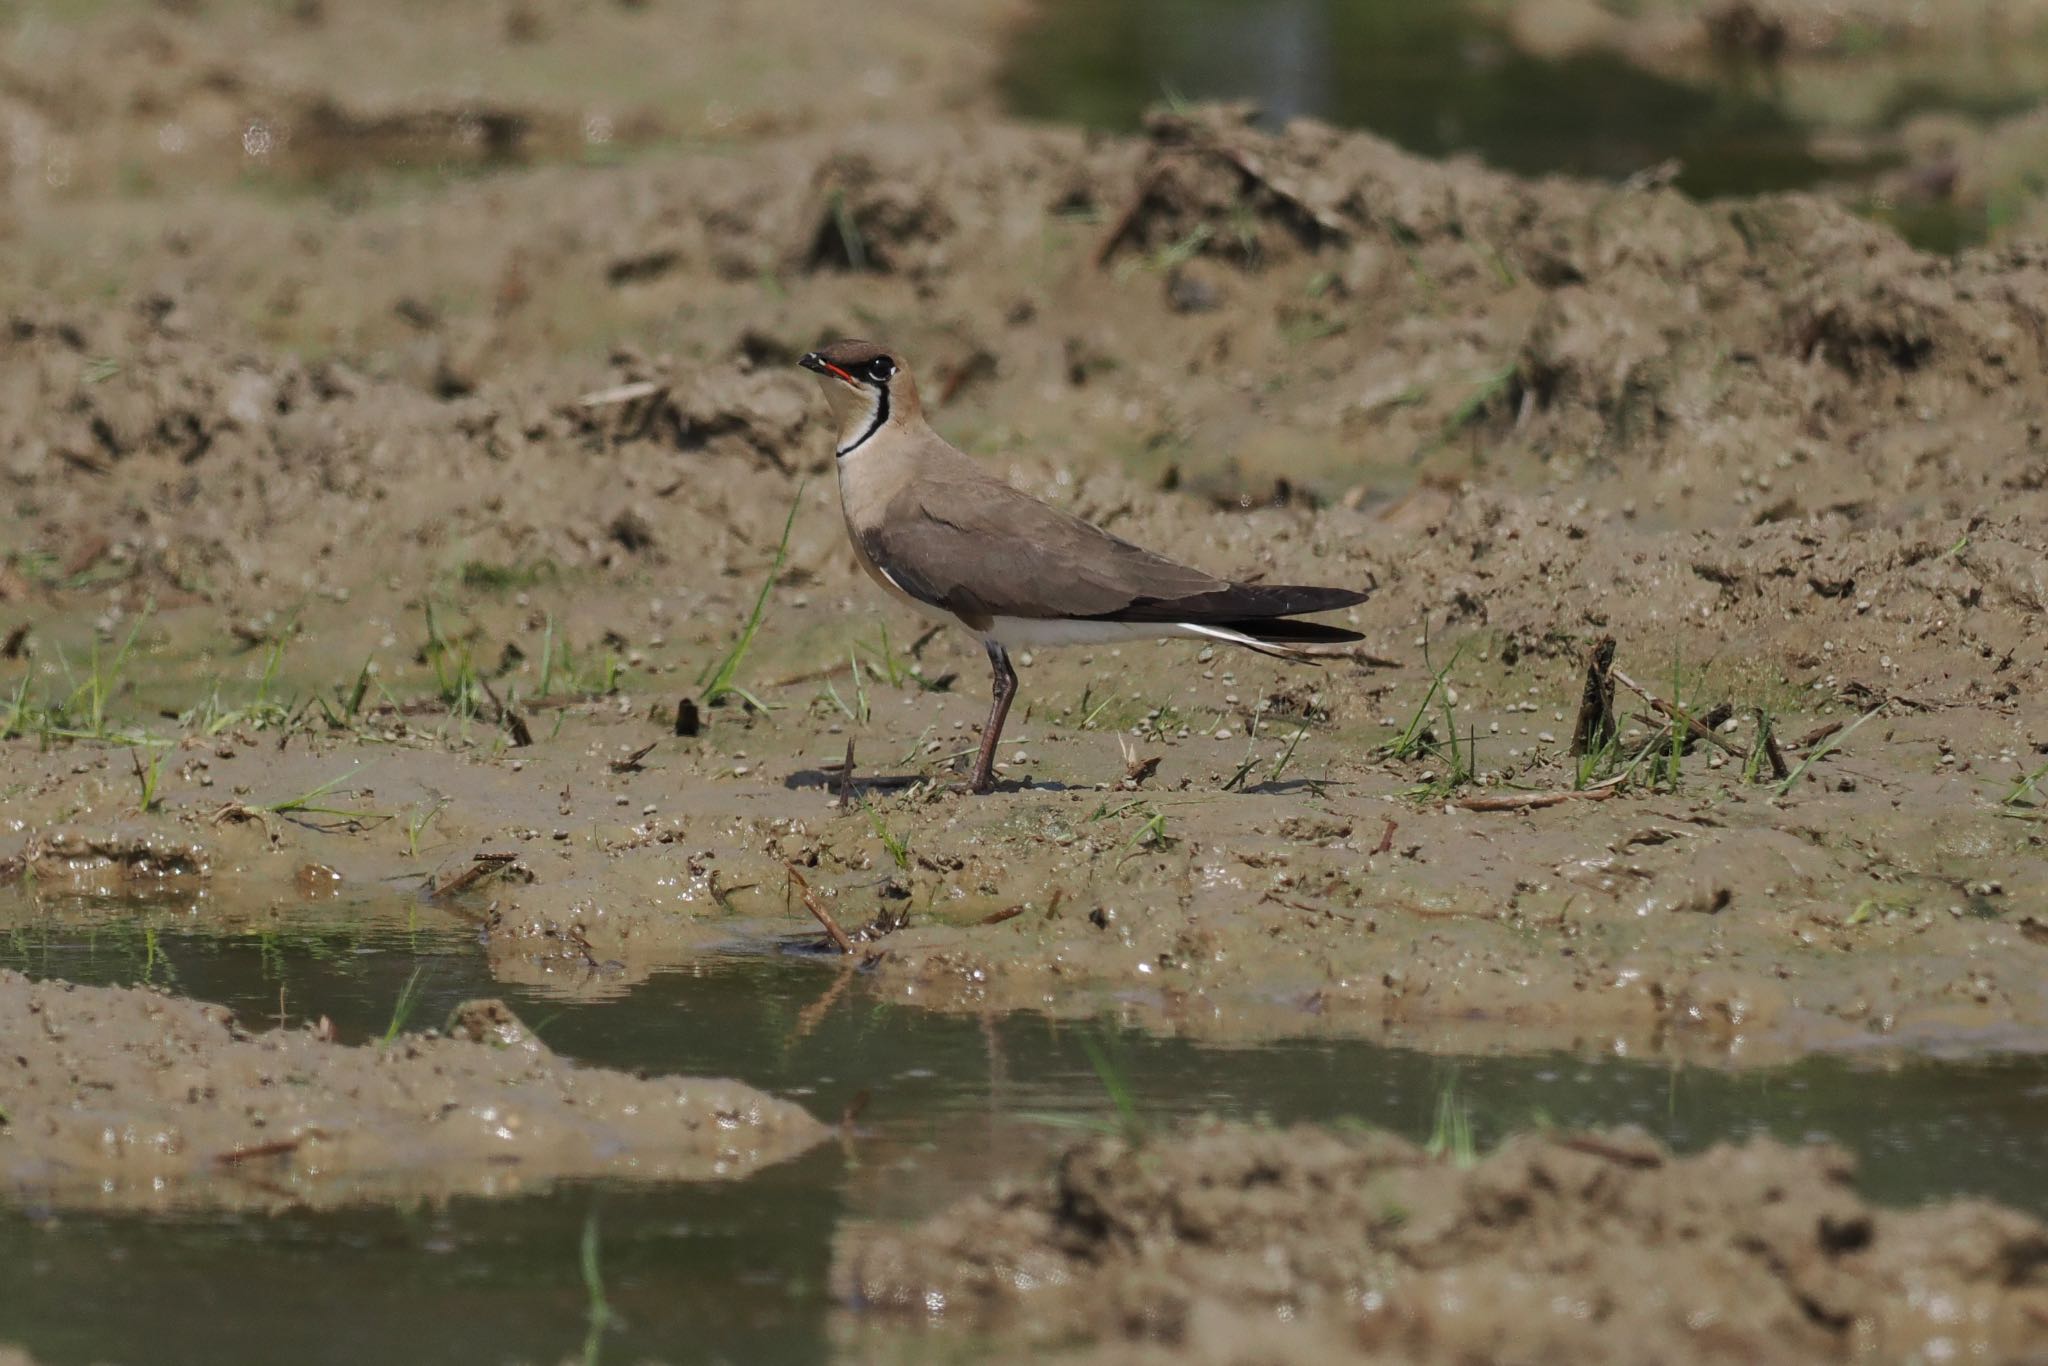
(992, 733)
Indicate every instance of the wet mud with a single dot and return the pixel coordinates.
(1789, 464)
(127, 1098)
(1236, 1244)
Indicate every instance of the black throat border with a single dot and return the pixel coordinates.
(874, 423)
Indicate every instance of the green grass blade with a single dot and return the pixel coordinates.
(721, 678)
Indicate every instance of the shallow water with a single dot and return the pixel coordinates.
(1443, 78)
(1437, 78)
(737, 1272)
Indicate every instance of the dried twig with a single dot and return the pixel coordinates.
(512, 721)
(817, 908)
(846, 794)
(1530, 801)
(1679, 714)
(481, 867)
(1816, 735)
(1598, 1147)
(277, 1147)
(1596, 724)
(1768, 738)
(631, 763)
(1386, 843)
(1121, 228)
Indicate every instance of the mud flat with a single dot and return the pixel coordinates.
(393, 533)
(1233, 1244)
(129, 1098)
(384, 618)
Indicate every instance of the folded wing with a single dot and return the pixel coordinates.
(984, 550)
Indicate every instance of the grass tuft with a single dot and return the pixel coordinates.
(1450, 1134)
(898, 847)
(1822, 750)
(402, 1009)
(717, 680)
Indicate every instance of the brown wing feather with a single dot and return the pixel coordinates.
(985, 550)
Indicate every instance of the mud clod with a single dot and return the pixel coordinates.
(1589, 1247)
(127, 1098)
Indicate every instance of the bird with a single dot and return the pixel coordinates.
(961, 547)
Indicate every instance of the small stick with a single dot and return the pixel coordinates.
(1112, 239)
(511, 720)
(631, 763)
(1596, 703)
(1678, 714)
(480, 867)
(1386, 843)
(998, 917)
(1769, 739)
(1816, 735)
(807, 676)
(846, 776)
(1594, 1147)
(817, 908)
(274, 1148)
(1530, 801)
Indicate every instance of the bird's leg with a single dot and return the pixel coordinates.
(992, 733)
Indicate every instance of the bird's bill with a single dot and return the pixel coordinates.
(818, 364)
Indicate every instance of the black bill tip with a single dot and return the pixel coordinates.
(813, 362)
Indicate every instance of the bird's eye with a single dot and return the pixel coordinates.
(881, 369)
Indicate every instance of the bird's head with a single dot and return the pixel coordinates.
(867, 386)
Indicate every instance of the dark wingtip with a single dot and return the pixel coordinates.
(1241, 602)
(1288, 631)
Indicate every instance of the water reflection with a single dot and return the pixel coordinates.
(1436, 77)
(952, 1102)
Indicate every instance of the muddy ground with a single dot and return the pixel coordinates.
(386, 468)
(1237, 1245)
(1791, 465)
(125, 1098)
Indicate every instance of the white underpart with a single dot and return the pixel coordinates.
(1040, 632)
(1027, 633)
